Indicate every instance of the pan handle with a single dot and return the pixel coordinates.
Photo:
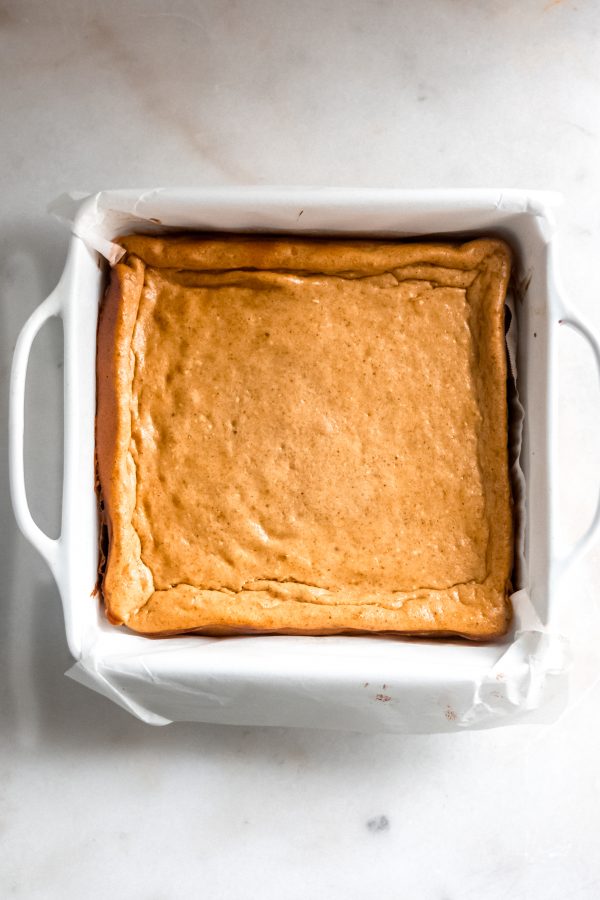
(48, 547)
(566, 559)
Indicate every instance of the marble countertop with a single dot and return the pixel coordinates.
(380, 94)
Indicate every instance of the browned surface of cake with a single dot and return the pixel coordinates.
(305, 436)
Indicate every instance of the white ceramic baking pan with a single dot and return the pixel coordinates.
(362, 683)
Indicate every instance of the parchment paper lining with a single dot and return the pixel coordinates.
(198, 678)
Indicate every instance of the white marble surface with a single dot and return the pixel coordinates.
(93, 803)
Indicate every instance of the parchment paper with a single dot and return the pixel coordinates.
(368, 683)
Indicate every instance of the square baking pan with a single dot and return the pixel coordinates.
(349, 682)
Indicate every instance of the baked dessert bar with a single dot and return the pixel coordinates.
(305, 436)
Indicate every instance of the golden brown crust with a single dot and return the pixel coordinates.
(446, 301)
(125, 572)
